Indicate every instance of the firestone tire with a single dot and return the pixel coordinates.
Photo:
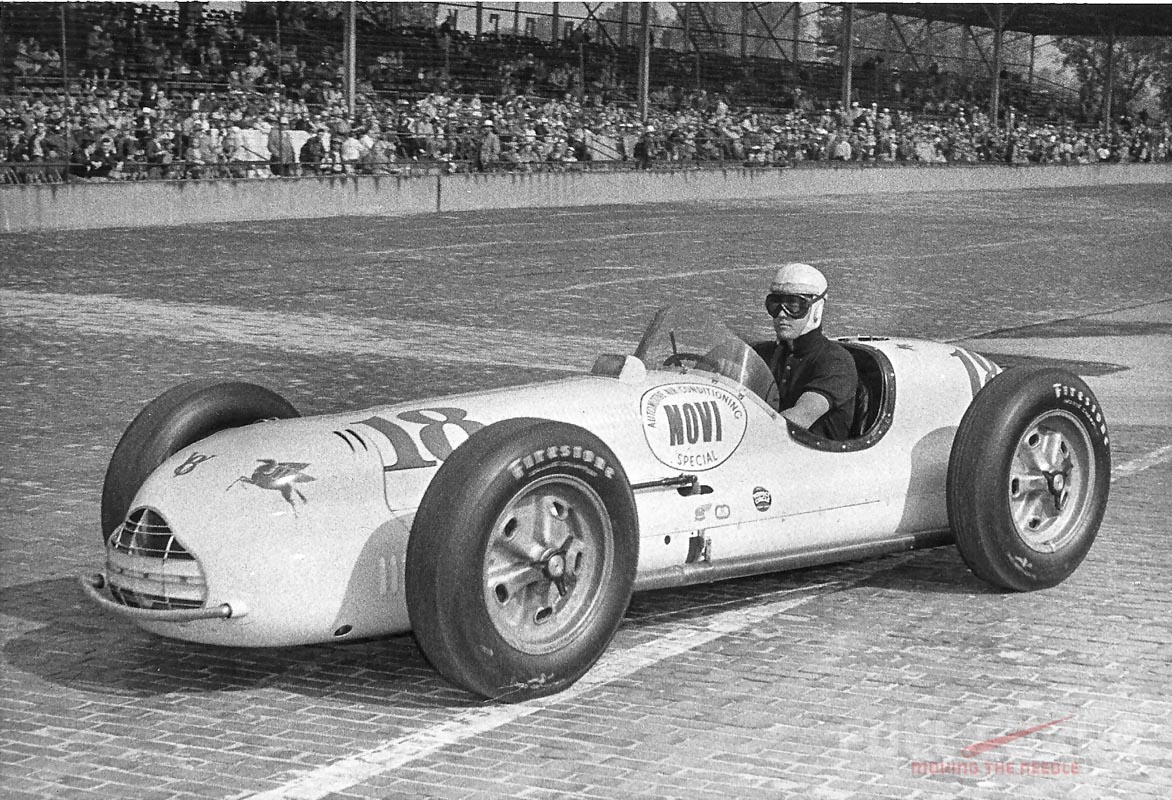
(175, 419)
(1028, 478)
(522, 559)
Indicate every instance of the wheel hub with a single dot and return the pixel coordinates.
(555, 566)
(1050, 480)
(1057, 482)
(546, 562)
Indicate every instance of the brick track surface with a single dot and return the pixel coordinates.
(869, 679)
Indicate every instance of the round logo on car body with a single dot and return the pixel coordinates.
(762, 499)
(692, 427)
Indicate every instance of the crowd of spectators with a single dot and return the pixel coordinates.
(127, 133)
(228, 104)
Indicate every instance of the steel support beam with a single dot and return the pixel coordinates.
(848, 51)
(796, 8)
(644, 58)
(1109, 86)
(351, 47)
(744, 31)
(771, 30)
(1033, 54)
(980, 51)
(907, 48)
(998, 32)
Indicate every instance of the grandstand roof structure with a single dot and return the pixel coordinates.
(1048, 19)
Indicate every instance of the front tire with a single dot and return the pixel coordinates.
(175, 419)
(1028, 478)
(522, 559)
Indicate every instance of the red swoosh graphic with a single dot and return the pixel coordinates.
(974, 750)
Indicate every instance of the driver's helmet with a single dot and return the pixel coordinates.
(796, 278)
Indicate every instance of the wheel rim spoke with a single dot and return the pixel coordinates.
(1052, 447)
(509, 580)
(1032, 455)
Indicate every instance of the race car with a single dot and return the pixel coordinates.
(508, 528)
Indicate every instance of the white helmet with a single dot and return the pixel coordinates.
(801, 279)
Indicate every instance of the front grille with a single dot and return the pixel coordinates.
(146, 533)
(147, 567)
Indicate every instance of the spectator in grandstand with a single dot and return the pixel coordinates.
(29, 59)
(379, 158)
(194, 156)
(313, 153)
(332, 163)
(646, 149)
(842, 150)
(280, 147)
(99, 52)
(350, 152)
(94, 160)
(488, 154)
(159, 153)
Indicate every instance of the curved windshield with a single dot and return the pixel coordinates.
(690, 340)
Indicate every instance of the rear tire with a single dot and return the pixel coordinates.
(175, 419)
(522, 559)
(1028, 478)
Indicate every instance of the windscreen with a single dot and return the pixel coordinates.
(689, 340)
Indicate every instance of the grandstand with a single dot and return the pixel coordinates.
(108, 91)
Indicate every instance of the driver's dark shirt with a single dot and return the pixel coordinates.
(813, 363)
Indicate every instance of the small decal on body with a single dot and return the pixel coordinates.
(279, 476)
(193, 461)
(762, 499)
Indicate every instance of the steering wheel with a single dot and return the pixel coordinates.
(684, 359)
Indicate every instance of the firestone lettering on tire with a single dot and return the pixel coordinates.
(559, 453)
(1077, 399)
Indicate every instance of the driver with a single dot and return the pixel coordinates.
(816, 377)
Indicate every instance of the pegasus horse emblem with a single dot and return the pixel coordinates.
(280, 476)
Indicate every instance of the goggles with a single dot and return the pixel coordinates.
(794, 306)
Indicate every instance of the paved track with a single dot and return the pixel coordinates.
(890, 678)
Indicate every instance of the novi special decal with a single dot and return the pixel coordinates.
(279, 476)
(691, 426)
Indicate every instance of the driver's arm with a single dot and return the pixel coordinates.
(809, 408)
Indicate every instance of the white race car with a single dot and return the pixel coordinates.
(508, 528)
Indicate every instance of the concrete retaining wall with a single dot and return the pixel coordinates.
(149, 203)
(109, 205)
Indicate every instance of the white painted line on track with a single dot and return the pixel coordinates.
(1146, 461)
(495, 243)
(316, 334)
(761, 268)
(676, 639)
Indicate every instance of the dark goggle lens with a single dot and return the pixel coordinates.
(794, 306)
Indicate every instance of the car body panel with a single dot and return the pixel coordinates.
(301, 525)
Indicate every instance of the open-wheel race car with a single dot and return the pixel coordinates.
(508, 528)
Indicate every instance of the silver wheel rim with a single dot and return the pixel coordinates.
(1051, 479)
(549, 555)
